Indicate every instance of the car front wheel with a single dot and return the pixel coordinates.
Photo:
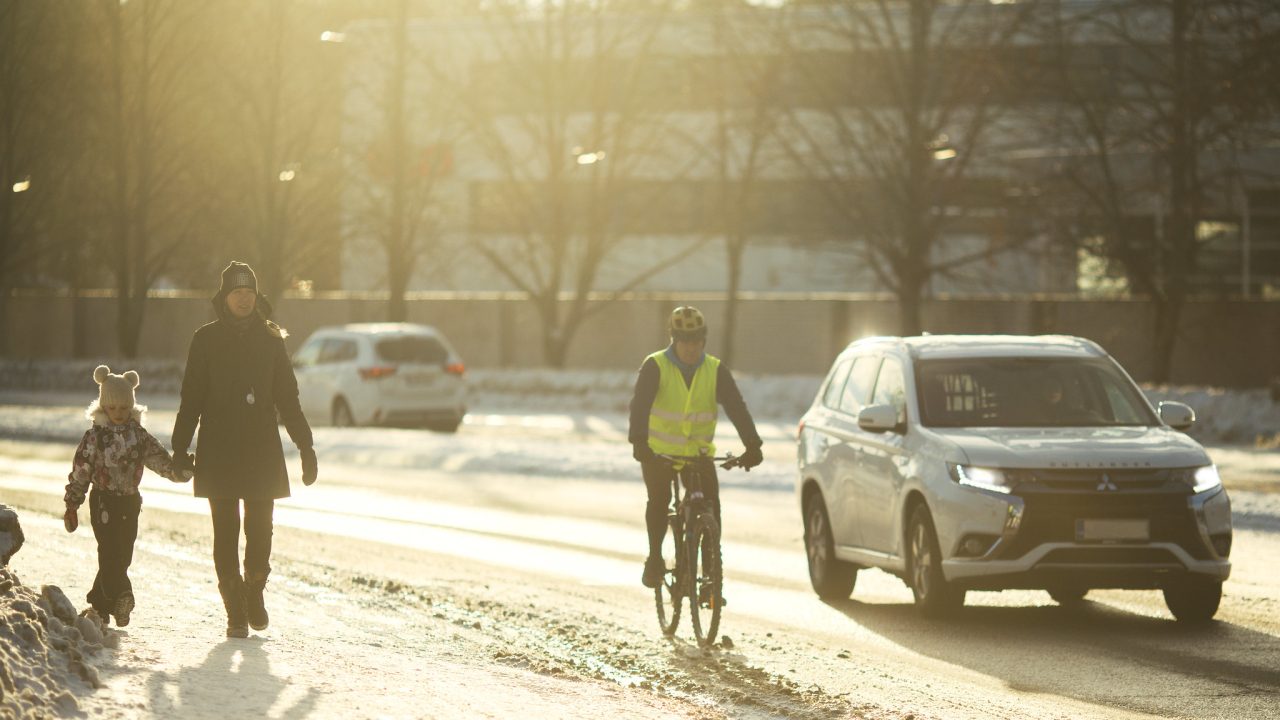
(1194, 601)
(831, 577)
(934, 596)
(342, 416)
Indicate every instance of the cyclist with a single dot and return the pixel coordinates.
(673, 412)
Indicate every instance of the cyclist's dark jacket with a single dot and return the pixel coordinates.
(727, 395)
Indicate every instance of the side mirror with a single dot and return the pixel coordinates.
(1176, 415)
(878, 418)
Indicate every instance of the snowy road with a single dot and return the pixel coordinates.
(508, 557)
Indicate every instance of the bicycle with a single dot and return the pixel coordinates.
(691, 550)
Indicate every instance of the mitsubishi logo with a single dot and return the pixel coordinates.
(1106, 484)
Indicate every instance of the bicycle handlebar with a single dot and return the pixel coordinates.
(728, 461)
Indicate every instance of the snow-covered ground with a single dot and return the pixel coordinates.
(492, 573)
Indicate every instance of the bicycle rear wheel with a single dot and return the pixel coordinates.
(702, 553)
(669, 595)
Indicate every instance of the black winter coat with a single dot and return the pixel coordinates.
(238, 452)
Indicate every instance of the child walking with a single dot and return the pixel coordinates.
(110, 457)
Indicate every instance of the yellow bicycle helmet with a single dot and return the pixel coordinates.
(687, 323)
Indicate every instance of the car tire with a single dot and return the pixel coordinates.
(1194, 601)
(934, 596)
(445, 426)
(1068, 595)
(342, 416)
(831, 577)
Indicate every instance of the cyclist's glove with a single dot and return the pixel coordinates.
(643, 454)
(751, 458)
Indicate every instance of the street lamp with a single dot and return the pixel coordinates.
(22, 185)
(582, 157)
(331, 36)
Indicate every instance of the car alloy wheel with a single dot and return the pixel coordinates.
(934, 596)
(342, 414)
(832, 578)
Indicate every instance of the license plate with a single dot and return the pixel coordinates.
(1113, 530)
(418, 379)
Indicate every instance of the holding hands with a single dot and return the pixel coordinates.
(184, 466)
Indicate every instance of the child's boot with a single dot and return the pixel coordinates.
(121, 609)
(255, 606)
(233, 600)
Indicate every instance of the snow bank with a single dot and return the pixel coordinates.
(1223, 416)
(43, 650)
(10, 534)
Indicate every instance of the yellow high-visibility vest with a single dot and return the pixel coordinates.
(683, 418)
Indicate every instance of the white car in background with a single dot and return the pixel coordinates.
(992, 462)
(381, 374)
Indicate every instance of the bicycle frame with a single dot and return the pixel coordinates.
(688, 516)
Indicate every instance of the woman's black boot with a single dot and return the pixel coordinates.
(255, 605)
(233, 600)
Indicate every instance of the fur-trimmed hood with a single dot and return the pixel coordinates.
(99, 417)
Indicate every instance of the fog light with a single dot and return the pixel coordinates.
(1222, 544)
(976, 545)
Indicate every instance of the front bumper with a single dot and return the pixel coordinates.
(1037, 546)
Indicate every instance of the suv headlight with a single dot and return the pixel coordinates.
(1202, 478)
(980, 477)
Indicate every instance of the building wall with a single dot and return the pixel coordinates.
(1221, 343)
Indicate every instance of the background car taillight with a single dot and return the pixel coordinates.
(455, 369)
(800, 430)
(377, 372)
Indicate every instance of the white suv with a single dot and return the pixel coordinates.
(992, 462)
(381, 374)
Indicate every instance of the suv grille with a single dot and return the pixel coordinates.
(1054, 505)
(1089, 480)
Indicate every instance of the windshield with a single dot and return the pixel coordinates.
(1028, 392)
(412, 349)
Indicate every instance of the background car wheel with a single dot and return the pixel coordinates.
(1194, 601)
(445, 426)
(935, 597)
(1068, 595)
(832, 578)
(342, 416)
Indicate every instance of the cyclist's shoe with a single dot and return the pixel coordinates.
(704, 597)
(654, 569)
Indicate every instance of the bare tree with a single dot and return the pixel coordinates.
(35, 99)
(573, 116)
(746, 76)
(1149, 134)
(399, 138)
(148, 131)
(897, 120)
(277, 87)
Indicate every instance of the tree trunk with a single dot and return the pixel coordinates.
(736, 248)
(910, 306)
(398, 244)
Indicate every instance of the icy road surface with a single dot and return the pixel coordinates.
(495, 573)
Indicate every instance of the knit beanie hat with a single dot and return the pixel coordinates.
(115, 389)
(237, 275)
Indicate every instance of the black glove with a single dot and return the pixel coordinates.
(308, 465)
(643, 454)
(183, 462)
(751, 458)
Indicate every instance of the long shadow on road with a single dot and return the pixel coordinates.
(1098, 655)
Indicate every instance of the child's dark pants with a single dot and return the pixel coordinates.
(115, 525)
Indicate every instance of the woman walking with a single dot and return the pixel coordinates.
(238, 376)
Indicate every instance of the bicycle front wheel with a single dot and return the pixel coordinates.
(669, 593)
(702, 553)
